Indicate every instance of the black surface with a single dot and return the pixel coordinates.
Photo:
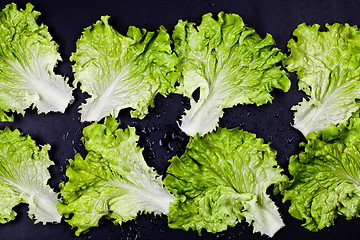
(159, 133)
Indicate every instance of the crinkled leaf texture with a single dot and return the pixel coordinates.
(326, 174)
(327, 64)
(122, 71)
(230, 64)
(27, 60)
(23, 178)
(113, 181)
(221, 179)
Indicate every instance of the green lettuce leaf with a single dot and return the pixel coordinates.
(113, 181)
(122, 71)
(326, 174)
(230, 64)
(23, 178)
(27, 60)
(328, 66)
(221, 179)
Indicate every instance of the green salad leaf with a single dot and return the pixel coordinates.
(221, 179)
(326, 174)
(230, 64)
(23, 178)
(113, 181)
(122, 71)
(328, 66)
(28, 56)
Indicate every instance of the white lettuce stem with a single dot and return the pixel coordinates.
(305, 124)
(45, 207)
(265, 216)
(160, 200)
(56, 96)
(154, 197)
(41, 199)
(95, 109)
(202, 117)
(47, 91)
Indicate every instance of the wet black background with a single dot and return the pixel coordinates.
(159, 133)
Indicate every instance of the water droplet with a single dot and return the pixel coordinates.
(66, 136)
(143, 130)
(171, 148)
(75, 150)
(64, 178)
(78, 131)
(186, 104)
(289, 140)
(150, 143)
(220, 235)
(161, 143)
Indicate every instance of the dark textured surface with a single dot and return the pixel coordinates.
(159, 134)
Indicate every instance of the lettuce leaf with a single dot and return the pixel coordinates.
(327, 64)
(23, 178)
(113, 181)
(230, 64)
(326, 174)
(122, 71)
(221, 179)
(27, 59)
